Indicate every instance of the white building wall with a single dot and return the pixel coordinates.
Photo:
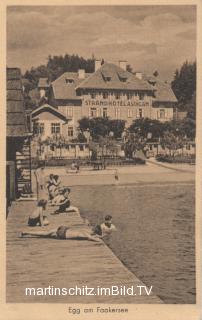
(155, 114)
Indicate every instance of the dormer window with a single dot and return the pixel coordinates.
(141, 96)
(152, 82)
(105, 95)
(107, 76)
(123, 76)
(107, 79)
(117, 95)
(69, 81)
(129, 96)
(93, 95)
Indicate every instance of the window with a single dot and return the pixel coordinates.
(93, 112)
(129, 96)
(68, 81)
(40, 128)
(107, 79)
(140, 113)
(141, 96)
(105, 95)
(105, 112)
(130, 113)
(69, 112)
(70, 132)
(55, 128)
(117, 95)
(162, 114)
(122, 79)
(93, 95)
(188, 147)
(117, 113)
(81, 147)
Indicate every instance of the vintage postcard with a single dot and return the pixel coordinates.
(101, 214)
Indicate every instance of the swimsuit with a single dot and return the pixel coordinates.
(33, 222)
(61, 232)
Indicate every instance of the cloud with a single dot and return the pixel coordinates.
(143, 35)
(187, 35)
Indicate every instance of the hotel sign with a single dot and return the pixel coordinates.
(115, 103)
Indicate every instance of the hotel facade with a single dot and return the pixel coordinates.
(111, 91)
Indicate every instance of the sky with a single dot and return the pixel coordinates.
(149, 38)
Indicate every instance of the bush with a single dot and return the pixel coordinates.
(177, 159)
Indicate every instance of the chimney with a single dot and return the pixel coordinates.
(122, 64)
(81, 74)
(138, 75)
(97, 65)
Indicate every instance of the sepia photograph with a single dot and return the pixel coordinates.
(101, 155)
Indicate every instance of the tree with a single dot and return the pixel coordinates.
(102, 127)
(84, 124)
(134, 142)
(81, 138)
(57, 65)
(117, 127)
(129, 68)
(172, 142)
(155, 74)
(184, 86)
(144, 126)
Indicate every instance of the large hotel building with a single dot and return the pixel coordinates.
(111, 91)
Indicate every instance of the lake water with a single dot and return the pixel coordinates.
(155, 237)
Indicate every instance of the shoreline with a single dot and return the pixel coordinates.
(150, 173)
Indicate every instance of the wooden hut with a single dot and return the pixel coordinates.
(17, 135)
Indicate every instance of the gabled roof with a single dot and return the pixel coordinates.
(43, 83)
(16, 121)
(97, 79)
(48, 108)
(67, 91)
(163, 91)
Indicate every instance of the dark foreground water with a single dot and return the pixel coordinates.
(155, 237)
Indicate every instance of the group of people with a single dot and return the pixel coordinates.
(70, 233)
(59, 196)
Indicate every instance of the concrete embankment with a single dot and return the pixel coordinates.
(40, 263)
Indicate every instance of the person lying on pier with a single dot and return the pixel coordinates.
(62, 200)
(37, 217)
(66, 233)
(105, 228)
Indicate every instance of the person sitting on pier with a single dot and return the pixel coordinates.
(37, 218)
(65, 233)
(62, 200)
(53, 185)
(105, 228)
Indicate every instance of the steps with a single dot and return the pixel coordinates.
(23, 169)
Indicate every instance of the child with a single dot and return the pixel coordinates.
(37, 218)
